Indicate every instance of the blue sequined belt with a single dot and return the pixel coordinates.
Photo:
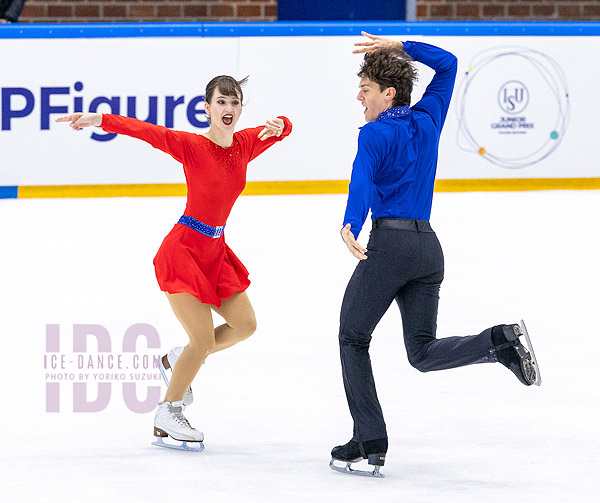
(201, 227)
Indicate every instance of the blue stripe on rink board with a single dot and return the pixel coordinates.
(9, 192)
(278, 29)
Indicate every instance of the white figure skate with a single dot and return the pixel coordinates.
(167, 362)
(169, 421)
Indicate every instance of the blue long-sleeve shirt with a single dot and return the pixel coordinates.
(394, 169)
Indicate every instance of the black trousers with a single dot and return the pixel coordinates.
(406, 263)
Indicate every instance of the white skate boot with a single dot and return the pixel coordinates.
(169, 421)
(167, 362)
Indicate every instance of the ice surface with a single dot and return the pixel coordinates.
(272, 407)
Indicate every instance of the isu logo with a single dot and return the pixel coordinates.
(513, 97)
(512, 106)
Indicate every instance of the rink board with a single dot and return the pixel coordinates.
(292, 187)
(522, 109)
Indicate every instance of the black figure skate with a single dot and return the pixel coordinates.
(353, 452)
(513, 355)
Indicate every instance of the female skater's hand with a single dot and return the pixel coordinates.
(355, 248)
(273, 127)
(80, 120)
(375, 43)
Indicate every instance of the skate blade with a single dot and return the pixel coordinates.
(534, 363)
(348, 469)
(198, 446)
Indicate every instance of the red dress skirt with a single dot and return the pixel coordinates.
(204, 267)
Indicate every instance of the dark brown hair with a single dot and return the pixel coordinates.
(390, 68)
(227, 85)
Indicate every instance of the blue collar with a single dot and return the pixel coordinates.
(392, 113)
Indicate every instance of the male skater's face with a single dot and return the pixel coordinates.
(374, 99)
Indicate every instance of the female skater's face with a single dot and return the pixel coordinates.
(374, 99)
(224, 111)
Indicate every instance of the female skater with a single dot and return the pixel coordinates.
(194, 266)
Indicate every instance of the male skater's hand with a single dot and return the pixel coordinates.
(355, 248)
(374, 43)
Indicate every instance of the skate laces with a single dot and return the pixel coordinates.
(177, 414)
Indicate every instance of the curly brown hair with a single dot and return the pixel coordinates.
(390, 68)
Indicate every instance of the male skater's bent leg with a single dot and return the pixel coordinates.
(418, 302)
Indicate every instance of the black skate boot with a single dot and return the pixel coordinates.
(353, 452)
(513, 355)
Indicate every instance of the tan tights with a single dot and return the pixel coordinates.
(196, 318)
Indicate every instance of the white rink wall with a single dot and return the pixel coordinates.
(523, 106)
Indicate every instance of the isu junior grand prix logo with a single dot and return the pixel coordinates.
(513, 106)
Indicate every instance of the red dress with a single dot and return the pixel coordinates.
(188, 261)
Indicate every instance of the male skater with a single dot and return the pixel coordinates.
(393, 175)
